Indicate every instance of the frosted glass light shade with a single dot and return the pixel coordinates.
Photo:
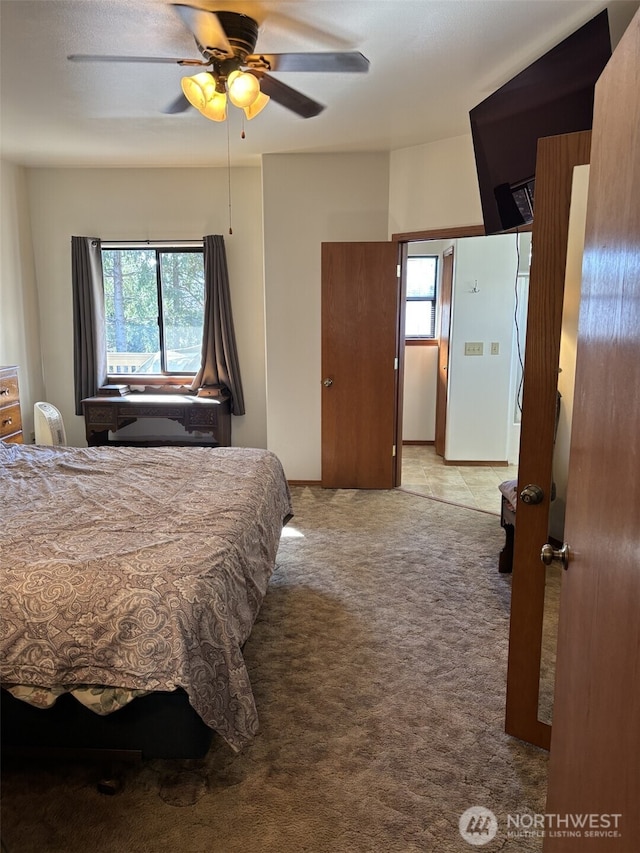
(257, 106)
(216, 107)
(199, 89)
(243, 88)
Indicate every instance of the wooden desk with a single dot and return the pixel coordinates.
(196, 414)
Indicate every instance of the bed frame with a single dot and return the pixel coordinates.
(158, 725)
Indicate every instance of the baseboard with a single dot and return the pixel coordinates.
(418, 443)
(500, 464)
(304, 482)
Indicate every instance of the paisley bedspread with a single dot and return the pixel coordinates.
(138, 569)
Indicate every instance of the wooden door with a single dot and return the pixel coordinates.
(442, 384)
(595, 746)
(556, 158)
(360, 359)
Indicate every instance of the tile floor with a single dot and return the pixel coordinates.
(468, 485)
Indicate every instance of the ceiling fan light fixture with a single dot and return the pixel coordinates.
(243, 88)
(257, 106)
(199, 89)
(216, 107)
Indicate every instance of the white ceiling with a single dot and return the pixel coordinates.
(430, 63)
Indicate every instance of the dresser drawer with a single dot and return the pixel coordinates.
(10, 420)
(18, 438)
(8, 389)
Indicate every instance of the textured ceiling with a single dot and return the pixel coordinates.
(430, 63)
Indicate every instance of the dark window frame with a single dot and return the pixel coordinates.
(165, 377)
(417, 339)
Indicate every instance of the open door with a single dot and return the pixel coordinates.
(595, 747)
(556, 158)
(360, 365)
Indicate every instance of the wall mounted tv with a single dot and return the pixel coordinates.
(554, 95)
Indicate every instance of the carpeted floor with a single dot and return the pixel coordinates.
(378, 663)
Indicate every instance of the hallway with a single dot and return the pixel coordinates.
(474, 486)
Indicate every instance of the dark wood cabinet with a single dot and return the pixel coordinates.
(209, 415)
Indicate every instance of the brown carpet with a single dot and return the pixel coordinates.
(378, 663)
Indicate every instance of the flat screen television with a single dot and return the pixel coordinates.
(553, 95)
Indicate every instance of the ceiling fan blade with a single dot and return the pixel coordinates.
(92, 57)
(286, 96)
(343, 61)
(178, 105)
(206, 27)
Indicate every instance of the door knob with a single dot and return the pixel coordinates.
(327, 383)
(532, 494)
(549, 554)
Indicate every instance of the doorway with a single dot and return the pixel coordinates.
(363, 386)
(460, 392)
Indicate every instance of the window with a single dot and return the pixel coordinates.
(422, 277)
(154, 309)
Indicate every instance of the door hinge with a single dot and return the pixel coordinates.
(395, 363)
(398, 270)
(393, 450)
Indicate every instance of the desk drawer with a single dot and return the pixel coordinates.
(10, 420)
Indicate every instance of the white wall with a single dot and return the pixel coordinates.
(129, 204)
(308, 200)
(480, 409)
(419, 402)
(433, 186)
(19, 325)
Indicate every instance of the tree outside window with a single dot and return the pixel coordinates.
(154, 309)
(422, 278)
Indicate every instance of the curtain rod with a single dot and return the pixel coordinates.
(114, 244)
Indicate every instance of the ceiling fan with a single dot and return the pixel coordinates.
(226, 42)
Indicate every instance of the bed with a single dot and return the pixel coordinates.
(130, 581)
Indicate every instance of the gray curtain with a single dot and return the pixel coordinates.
(219, 365)
(89, 343)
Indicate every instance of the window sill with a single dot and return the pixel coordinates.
(150, 379)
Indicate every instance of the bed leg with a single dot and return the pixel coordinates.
(110, 782)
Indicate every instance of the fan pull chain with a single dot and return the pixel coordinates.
(229, 174)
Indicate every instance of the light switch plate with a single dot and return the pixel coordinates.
(495, 348)
(473, 348)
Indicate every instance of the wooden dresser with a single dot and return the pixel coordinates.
(10, 417)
